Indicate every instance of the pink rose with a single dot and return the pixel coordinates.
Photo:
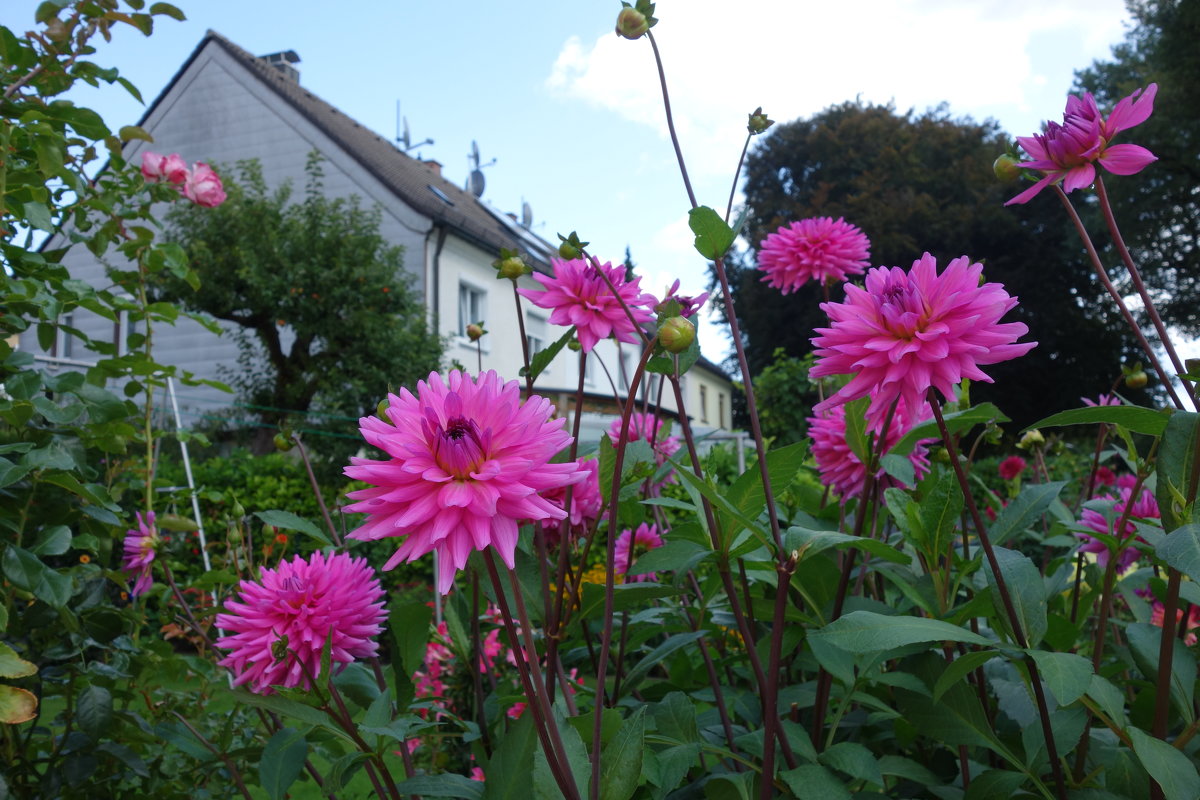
(203, 186)
(157, 167)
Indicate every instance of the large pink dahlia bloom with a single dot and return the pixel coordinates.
(579, 296)
(467, 460)
(140, 545)
(837, 463)
(1069, 152)
(819, 248)
(279, 627)
(909, 331)
(629, 545)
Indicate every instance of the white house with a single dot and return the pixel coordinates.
(225, 104)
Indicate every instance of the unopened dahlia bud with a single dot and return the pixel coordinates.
(512, 267)
(574, 346)
(1007, 168)
(475, 331)
(677, 334)
(568, 251)
(238, 510)
(381, 409)
(1136, 379)
(758, 122)
(1031, 439)
(282, 443)
(631, 23)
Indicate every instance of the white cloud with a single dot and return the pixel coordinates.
(794, 59)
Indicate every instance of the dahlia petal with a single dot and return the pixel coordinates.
(1079, 178)
(1130, 111)
(1126, 159)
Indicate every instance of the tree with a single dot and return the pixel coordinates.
(1159, 209)
(917, 183)
(328, 320)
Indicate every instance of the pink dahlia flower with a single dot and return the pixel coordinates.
(586, 501)
(140, 546)
(467, 460)
(819, 248)
(1011, 467)
(203, 186)
(579, 296)
(157, 167)
(1104, 477)
(837, 463)
(1069, 152)
(1102, 400)
(282, 621)
(909, 331)
(649, 428)
(632, 543)
(1158, 612)
(1145, 508)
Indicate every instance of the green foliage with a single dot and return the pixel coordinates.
(329, 318)
(785, 397)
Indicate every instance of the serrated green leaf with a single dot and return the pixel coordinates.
(282, 760)
(956, 422)
(713, 235)
(1134, 418)
(621, 760)
(868, 632)
(1176, 460)
(1068, 675)
(1025, 510)
(447, 784)
(289, 521)
(1171, 769)
(94, 711)
(1027, 591)
(542, 358)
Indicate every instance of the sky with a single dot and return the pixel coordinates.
(572, 114)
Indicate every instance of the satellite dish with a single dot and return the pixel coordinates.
(476, 183)
(526, 215)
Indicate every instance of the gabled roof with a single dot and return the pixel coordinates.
(410, 180)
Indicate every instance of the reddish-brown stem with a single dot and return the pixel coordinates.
(524, 342)
(1102, 273)
(662, 80)
(737, 174)
(783, 574)
(316, 487)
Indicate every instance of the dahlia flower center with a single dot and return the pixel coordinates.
(295, 594)
(459, 447)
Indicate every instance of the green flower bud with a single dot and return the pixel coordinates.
(475, 331)
(574, 346)
(1136, 379)
(677, 334)
(381, 409)
(282, 443)
(512, 267)
(238, 510)
(568, 251)
(758, 122)
(631, 23)
(1031, 439)
(1007, 168)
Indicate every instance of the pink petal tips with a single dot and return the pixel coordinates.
(820, 249)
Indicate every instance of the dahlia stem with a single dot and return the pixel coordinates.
(229, 765)
(737, 173)
(312, 479)
(476, 664)
(783, 574)
(731, 594)
(1005, 597)
(714, 680)
(565, 781)
(662, 80)
(1102, 273)
(524, 342)
(1136, 275)
(346, 722)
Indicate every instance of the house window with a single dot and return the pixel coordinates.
(720, 409)
(535, 334)
(472, 306)
(703, 403)
(123, 328)
(64, 342)
(627, 365)
(589, 369)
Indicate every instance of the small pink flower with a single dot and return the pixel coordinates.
(629, 544)
(140, 546)
(1011, 467)
(157, 167)
(1068, 153)
(467, 460)
(282, 621)
(517, 710)
(688, 306)
(837, 463)
(1102, 400)
(1104, 477)
(818, 248)
(1144, 508)
(579, 296)
(909, 331)
(477, 774)
(203, 187)
(586, 501)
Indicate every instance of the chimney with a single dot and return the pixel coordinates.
(434, 166)
(283, 62)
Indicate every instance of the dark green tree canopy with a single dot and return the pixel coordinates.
(917, 183)
(1158, 210)
(329, 320)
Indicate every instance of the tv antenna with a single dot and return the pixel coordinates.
(475, 181)
(404, 140)
(526, 215)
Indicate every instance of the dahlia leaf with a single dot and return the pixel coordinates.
(1181, 550)
(94, 711)
(282, 759)
(636, 453)
(813, 780)
(291, 522)
(1025, 510)
(1146, 421)
(512, 762)
(1176, 462)
(1144, 642)
(746, 494)
(448, 784)
(810, 542)
(868, 632)
(621, 760)
(1068, 675)
(940, 509)
(713, 235)
(956, 422)
(409, 623)
(1027, 591)
(545, 787)
(1173, 771)
(957, 669)
(542, 358)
